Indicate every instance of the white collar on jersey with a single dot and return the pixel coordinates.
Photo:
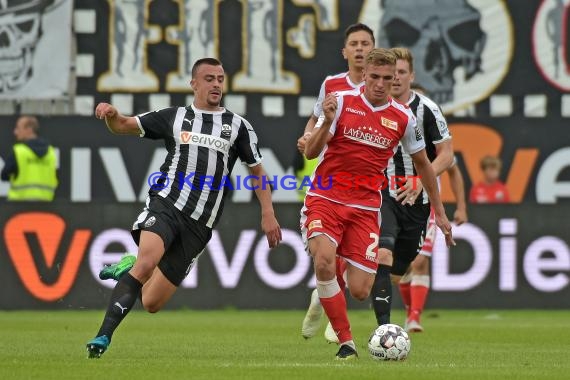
(198, 110)
(412, 97)
(351, 83)
(375, 109)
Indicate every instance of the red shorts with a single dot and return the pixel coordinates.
(353, 230)
(431, 232)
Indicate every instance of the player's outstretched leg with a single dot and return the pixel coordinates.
(382, 294)
(312, 320)
(122, 300)
(116, 271)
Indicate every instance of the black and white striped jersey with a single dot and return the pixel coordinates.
(433, 125)
(203, 147)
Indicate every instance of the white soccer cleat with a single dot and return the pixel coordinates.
(413, 326)
(312, 320)
(330, 335)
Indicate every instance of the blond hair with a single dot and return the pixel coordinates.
(381, 57)
(404, 54)
(491, 162)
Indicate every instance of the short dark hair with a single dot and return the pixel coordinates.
(205, 61)
(357, 28)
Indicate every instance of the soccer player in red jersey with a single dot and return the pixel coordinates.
(341, 214)
(358, 42)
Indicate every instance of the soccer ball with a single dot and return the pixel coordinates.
(389, 342)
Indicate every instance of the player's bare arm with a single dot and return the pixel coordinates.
(302, 141)
(458, 189)
(321, 136)
(269, 224)
(413, 188)
(117, 123)
(425, 171)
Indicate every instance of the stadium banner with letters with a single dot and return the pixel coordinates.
(95, 165)
(506, 257)
(499, 69)
(36, 49)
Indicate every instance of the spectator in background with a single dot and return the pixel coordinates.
(31, 168)
(491, 189)
(304, 168)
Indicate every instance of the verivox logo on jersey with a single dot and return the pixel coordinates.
(207, 141)
(48, 230)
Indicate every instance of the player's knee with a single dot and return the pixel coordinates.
(360, 293)
(420, 266)
(152, 306)
(385, 256)
(395, 279)
(324, 267)
(143, 269)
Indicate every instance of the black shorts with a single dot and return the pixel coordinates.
(184, 238)
(402, 231)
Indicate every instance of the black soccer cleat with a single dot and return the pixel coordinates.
(346, 352)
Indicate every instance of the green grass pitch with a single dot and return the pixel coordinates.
(232, 344)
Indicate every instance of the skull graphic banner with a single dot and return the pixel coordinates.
(35, 49)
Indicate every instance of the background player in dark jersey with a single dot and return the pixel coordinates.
(415, 284)
(203, 140)
(405, 210)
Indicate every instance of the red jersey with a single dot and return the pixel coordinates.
(333, 83)
(351, 166)
(494, 193)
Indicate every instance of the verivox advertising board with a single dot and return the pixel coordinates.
(51, 254)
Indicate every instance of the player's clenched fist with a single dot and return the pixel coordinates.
(329, 106)
(104, 110)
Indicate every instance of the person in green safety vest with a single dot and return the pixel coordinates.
(303, 170)
(31, 168)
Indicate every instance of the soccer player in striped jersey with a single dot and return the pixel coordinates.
(359, 134)
(203, 142)
(358, 42)
(415, 284)
(406, 209)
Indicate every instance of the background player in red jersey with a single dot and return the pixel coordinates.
(358, 136)
(358, 42)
